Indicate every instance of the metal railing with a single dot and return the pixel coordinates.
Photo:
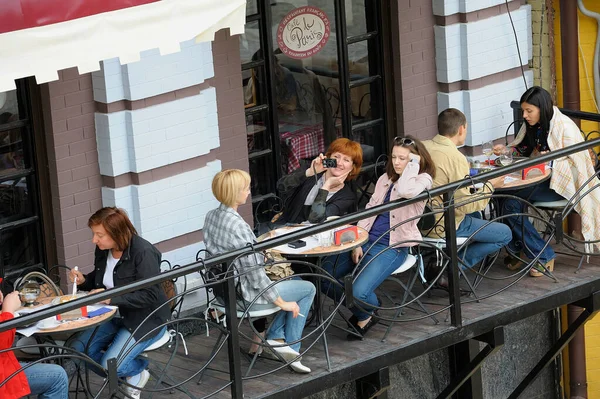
(233, 333)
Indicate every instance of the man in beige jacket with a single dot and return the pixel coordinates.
(451, 165)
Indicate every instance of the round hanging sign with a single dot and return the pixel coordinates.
(303, 32)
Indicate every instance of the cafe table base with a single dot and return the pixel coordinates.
(314, 249)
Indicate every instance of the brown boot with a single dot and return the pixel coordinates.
(513, 263)
(538, 271)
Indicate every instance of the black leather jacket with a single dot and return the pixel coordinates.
(296, 187)
(139, 261)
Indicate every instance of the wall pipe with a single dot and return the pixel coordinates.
(596, 66)
(571, 100)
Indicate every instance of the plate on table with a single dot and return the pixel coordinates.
(67, 298)
(48, 325)
(498, 161)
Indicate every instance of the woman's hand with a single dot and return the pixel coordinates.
(333, 183)
(357, 254)
(497, 182)
(499, 149)
(11, 303)
(288, 307)
(97, 290)
(316, 164)
(412, 156)
(76, 273)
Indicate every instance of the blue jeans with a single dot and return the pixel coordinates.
(48, 381)
(109, 339)
(488, 240)
(284, 325)
(525, 236)
(376, 265)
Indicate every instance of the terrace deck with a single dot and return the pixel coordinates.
(353, 359)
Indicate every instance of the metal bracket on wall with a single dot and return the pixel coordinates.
(591, 305)
(494, 340)
(373, 385)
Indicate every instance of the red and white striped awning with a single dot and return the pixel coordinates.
(40, 37)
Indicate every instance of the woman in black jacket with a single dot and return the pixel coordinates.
(121, 258)
(319, 192)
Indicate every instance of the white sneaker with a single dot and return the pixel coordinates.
(299, 367)
(135, 393)
(287, 353)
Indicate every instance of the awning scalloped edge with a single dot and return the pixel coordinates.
(84, 42)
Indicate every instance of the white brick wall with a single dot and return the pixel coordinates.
(449, 7)
(154, 73)
(472, 50)
(184, 256)
(147, 138)
(487, 109)
(169, 207)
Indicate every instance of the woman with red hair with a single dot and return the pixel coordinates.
(322, 191)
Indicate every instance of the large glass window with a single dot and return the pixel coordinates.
(21, 241)
(312, 72)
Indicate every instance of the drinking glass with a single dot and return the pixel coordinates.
(488, 149)
(506, 157)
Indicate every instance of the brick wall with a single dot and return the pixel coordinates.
(543, 43)
(230, 107)
(75, 178)
(416, 90)
(73, 163)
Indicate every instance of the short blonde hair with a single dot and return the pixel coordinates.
(227, 184)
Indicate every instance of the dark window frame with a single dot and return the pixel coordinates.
(36, 173)
(376, 30)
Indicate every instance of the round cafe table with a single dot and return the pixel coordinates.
(531, 179)
(314, 249)
(64, 331)
(70, 326)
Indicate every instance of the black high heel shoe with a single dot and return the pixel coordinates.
(362, 330)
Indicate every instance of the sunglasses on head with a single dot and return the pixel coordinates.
(403, 141)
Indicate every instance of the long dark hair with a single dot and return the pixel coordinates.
(540, 98)
(415, 146)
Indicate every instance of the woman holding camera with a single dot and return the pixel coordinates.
(323, 189)
(409, 172)
(122, 257)
(547, 129)
(225, 230)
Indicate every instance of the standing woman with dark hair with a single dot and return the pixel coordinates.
(547, 129)
(409, 172)
(123, 257)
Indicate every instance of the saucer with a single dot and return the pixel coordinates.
(56, 301)
(48, 326)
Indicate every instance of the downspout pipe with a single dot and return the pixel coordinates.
(571, 100)
(596, 65)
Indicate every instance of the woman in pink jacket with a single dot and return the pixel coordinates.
(409, 172)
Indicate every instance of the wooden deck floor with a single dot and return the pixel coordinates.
(351, 360)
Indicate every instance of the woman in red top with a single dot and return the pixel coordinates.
(48, 381)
